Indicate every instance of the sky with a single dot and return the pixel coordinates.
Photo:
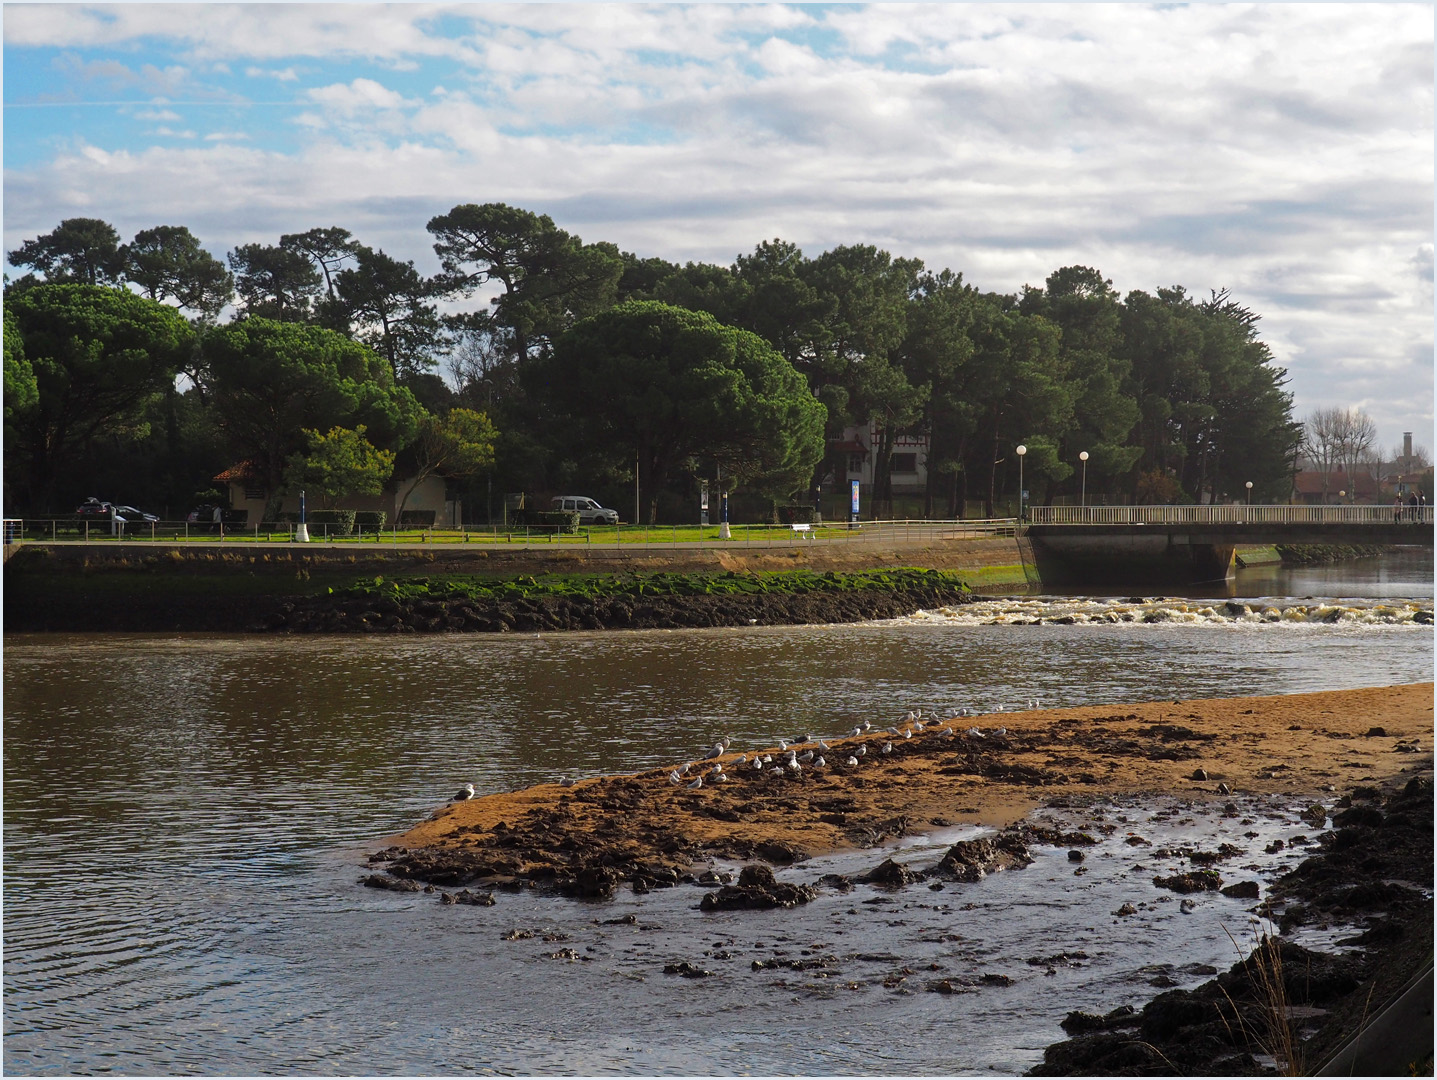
(1281, 151)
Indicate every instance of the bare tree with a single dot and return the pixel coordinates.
(1321, 440)
(1339, 440)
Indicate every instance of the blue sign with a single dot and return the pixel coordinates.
(853, 497)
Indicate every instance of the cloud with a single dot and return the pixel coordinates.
(1284, 151)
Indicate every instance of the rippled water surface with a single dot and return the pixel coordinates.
(186, 819)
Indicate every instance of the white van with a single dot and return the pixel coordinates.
(590, 512)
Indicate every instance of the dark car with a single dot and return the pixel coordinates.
(93, 507)
(131, 516)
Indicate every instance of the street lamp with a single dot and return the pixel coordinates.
(1083, 457)
(1021, 451)
(1249, 493)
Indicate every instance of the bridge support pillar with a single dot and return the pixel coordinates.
(1122, 559)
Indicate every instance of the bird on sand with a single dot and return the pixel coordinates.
(857, 730)
(466, 792)
(851, 761)
(887, 748)
(717, 751)
(565, 781)
(861, 750)
(696, 782)
(1001, 731)
(818, 762)
(807, 755)
(676, 777)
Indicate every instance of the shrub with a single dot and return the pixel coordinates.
(561, 521)
(332, 522)
(796, 514)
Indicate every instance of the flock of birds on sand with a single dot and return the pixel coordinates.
(794, 755)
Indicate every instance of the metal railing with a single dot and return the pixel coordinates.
(1221, 514)
(71, 530)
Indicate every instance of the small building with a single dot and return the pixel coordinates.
(1308, 487)
(853, 456)
(424, 497)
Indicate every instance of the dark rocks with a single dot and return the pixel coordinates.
(1194, 881)
(971, 860)
(1241, 890)
(687, 970)
(464, 896)
(393, 884)
(1076, 856)
(890, 875)
(757, 890)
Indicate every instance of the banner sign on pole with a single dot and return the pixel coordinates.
(853, 498)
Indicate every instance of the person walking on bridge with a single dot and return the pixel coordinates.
(1397, 507)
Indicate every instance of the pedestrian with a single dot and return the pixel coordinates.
(219, 521)
(1412, 505)
(1397, 507)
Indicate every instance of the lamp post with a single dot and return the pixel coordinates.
(1022, 450)
(1249, 493)
(301, 532)
(1083, 457)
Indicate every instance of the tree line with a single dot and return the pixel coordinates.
(533, 361)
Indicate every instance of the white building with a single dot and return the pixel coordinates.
(854, 451)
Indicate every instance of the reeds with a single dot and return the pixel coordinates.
(1275, 1034)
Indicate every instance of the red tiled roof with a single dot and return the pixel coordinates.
(238, 473)
(1310, 483)
(847, 446)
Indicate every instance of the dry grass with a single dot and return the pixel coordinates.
(1275, 1034)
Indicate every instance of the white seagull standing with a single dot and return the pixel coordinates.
(466, 792)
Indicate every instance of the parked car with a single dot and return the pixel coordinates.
(590, 512)
(93, 507)
(131, 516)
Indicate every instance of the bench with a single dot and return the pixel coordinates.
(801, 527)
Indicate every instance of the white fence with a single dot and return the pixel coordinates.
(1228, 515)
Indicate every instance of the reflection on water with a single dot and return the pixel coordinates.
(185, 817)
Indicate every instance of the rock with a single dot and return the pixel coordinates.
(1199, 774)
(393, 884)
(1376, 732)
(687, 970)
(1194, 881)
(890, 874)
(1126, 909)
(592, 883)
(1076, 856)
(756, 890)
(1241, 890)
(994, 979)
(1223, 789)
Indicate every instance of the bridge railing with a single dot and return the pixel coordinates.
(1219, 514)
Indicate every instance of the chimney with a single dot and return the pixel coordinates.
(1406, 451)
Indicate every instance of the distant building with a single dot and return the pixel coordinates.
(247, 492)
(1361, 487)
(853, 454)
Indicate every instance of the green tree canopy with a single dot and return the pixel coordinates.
(665, 386)
(169, 264)
(340, 463)
(99, 357)
(274, 282)
(458, 446)
(79, 250)
(267, 381)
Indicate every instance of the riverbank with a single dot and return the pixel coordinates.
(1363, 757)
(995, 774)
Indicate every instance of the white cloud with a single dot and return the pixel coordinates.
(1282, 151)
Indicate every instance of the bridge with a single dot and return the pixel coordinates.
(1196, 543)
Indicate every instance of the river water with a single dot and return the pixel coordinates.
(186, 820)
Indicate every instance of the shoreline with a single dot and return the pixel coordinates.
(1295, 744)
(1361, 759)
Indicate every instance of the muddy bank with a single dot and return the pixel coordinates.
(857, 790)
(1284, 1006)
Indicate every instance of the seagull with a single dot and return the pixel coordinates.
(795, 766)
(717, 751)
(696, 782)
(1001, 731)
(808, 738)
(758, 764)
(676, 777)
(895, 730)
(857, 730)
(685, 770)
(716, 770)
(861, 750)
(912, 716)
(768, 759)
(908, 734)
(783, 744)
(851, 760)
(723, 776)
(948, 733)
(807, 755)
(975, 733)
(818, 762)
(466, 792)
(963, 711)
(918, 725)
(742, 759)
(887, 748)
(822, 745)
(867, 724)
(565, 781)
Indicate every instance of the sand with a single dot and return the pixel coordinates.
(1295, 744)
